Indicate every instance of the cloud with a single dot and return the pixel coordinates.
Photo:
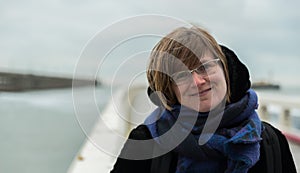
(40, 36)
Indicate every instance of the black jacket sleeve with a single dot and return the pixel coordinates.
(134, 166)
(286, 158)
(288, 164)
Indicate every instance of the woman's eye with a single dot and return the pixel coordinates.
(181, 75)
(202, 68)
(207, 66)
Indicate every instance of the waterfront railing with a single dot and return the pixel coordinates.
(283, 112)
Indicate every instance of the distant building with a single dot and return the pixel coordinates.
(265, 85)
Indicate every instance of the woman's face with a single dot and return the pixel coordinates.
(202, 92)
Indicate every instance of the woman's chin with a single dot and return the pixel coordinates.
(200, 108)
(204, 109)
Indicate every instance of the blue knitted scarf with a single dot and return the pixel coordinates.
(234, 147)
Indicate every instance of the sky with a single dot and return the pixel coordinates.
(48, 37)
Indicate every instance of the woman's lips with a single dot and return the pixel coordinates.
(201, 93)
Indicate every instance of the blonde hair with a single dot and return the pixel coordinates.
(187, 45)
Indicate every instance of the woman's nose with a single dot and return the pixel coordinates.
(198, 79)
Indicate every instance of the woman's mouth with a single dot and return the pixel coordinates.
(201, 93)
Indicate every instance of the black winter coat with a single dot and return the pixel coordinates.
(144, 166)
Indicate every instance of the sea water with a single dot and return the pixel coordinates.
(39, 130)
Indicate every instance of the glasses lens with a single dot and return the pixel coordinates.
(181, 77)
(207, 68)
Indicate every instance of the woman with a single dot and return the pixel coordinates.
(202, 90)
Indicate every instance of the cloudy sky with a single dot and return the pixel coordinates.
(48, 36)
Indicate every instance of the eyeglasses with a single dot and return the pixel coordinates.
(204, 70)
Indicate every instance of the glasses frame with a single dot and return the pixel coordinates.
(217, 60)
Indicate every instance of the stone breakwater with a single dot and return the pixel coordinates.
(22, 82)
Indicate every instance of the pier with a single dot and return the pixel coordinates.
(22, 82)
(281, 111)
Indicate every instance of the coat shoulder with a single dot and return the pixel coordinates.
(141, 132)
(122, 165)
